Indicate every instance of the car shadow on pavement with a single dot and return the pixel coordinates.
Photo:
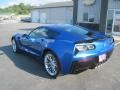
(25, 62)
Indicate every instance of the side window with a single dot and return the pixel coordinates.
(33, 33)
(43, 33)
(39, 32)
(52, 34)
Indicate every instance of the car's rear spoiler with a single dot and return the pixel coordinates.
(92, 40)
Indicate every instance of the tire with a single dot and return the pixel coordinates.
(15, 47)
(51, 64)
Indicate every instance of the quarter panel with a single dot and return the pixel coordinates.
(64, 52)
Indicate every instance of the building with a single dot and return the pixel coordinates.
(103, 15)
(59, 12)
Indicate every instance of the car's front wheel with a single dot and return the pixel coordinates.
(51, 64)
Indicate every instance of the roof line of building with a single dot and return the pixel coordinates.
(54, 5)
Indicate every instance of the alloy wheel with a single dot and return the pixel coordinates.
(51, 65)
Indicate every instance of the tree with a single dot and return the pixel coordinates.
(17, 9)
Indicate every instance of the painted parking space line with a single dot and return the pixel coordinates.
(117, 43)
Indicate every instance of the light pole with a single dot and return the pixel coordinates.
(75, 11)
(103, 15)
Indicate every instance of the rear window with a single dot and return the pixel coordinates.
(76, 30)
(52, 34)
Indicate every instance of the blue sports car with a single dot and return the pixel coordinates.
(65, 48)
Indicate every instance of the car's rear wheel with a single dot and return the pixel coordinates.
(15, 46)
(51, 64)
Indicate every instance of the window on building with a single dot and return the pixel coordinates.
(91, 18)
(109, 21)
(88, 18)
(85, 17)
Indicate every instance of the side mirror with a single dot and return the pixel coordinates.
(25, 35)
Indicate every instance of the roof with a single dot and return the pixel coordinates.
(55, 5)
(58, 27)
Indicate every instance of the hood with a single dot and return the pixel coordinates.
(75, 38)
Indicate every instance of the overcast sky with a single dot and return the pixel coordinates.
(5, 3)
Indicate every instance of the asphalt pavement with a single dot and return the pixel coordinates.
(22, 72)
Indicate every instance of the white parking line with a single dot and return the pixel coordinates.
(117, 44)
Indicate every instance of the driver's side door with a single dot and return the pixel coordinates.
(32, 43)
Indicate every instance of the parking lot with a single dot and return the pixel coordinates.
(22, 72)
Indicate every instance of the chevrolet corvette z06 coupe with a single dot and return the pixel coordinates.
(65, 48)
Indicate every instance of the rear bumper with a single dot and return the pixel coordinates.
(88, 63)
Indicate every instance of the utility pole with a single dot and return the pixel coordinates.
(103, 16)
(75, 11)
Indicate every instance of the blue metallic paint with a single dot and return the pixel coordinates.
(63, 46)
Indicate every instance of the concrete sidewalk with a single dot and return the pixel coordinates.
(117, 38)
